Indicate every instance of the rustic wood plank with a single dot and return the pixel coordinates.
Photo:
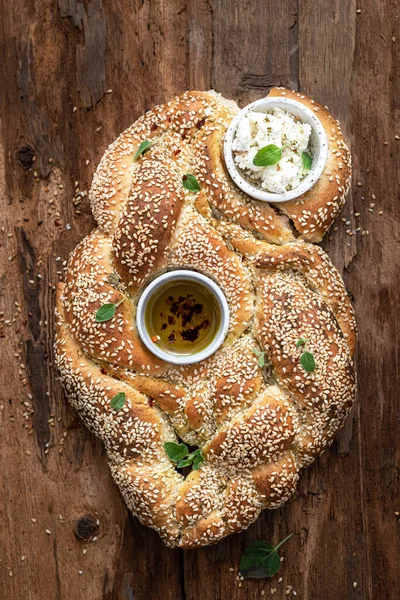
(342, 74)
(49, 70)
(253, 43)
(58, 56)
(374, 281)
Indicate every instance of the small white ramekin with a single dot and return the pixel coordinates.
(187, 275)
(319, 146)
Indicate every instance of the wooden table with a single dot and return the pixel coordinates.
(73, 75)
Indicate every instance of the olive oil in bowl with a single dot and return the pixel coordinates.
(182, 316)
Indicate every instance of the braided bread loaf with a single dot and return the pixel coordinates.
(257, 427)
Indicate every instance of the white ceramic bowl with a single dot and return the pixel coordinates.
(182, 274)
(318, 143)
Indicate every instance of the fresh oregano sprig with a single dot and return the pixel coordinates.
(143, 147)
(190, 183)
(307, 359)
(271, 154)
(176, 452)
(302, 341)
(306, 161)
(261, 357)
(261, 559)
(107, 311)
(268, 155)
(118, 401)
(197, 459)
(179, 454)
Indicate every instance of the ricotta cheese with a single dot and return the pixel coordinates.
(283, 129)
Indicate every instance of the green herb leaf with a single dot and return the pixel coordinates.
(143, 147)
(197, 458)
(261, 357)
(190, 182)
(267, 156)
(302, 341)
(306, 160)
(179, 453)
(118, 401)
(198, 462)
(107, 311)
(176, 452)
(261, 559)
(307, 361)
(184, 463)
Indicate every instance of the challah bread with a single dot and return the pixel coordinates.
(256, 426)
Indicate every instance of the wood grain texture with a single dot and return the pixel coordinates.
(73, 75)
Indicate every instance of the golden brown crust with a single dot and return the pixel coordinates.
(320, 275)
(314, 212)
(266, 430)
(228, 200)
(150, 214)
(276, 481)
(288, 310)
(256, 426)
(90, 284)
(198, 246)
